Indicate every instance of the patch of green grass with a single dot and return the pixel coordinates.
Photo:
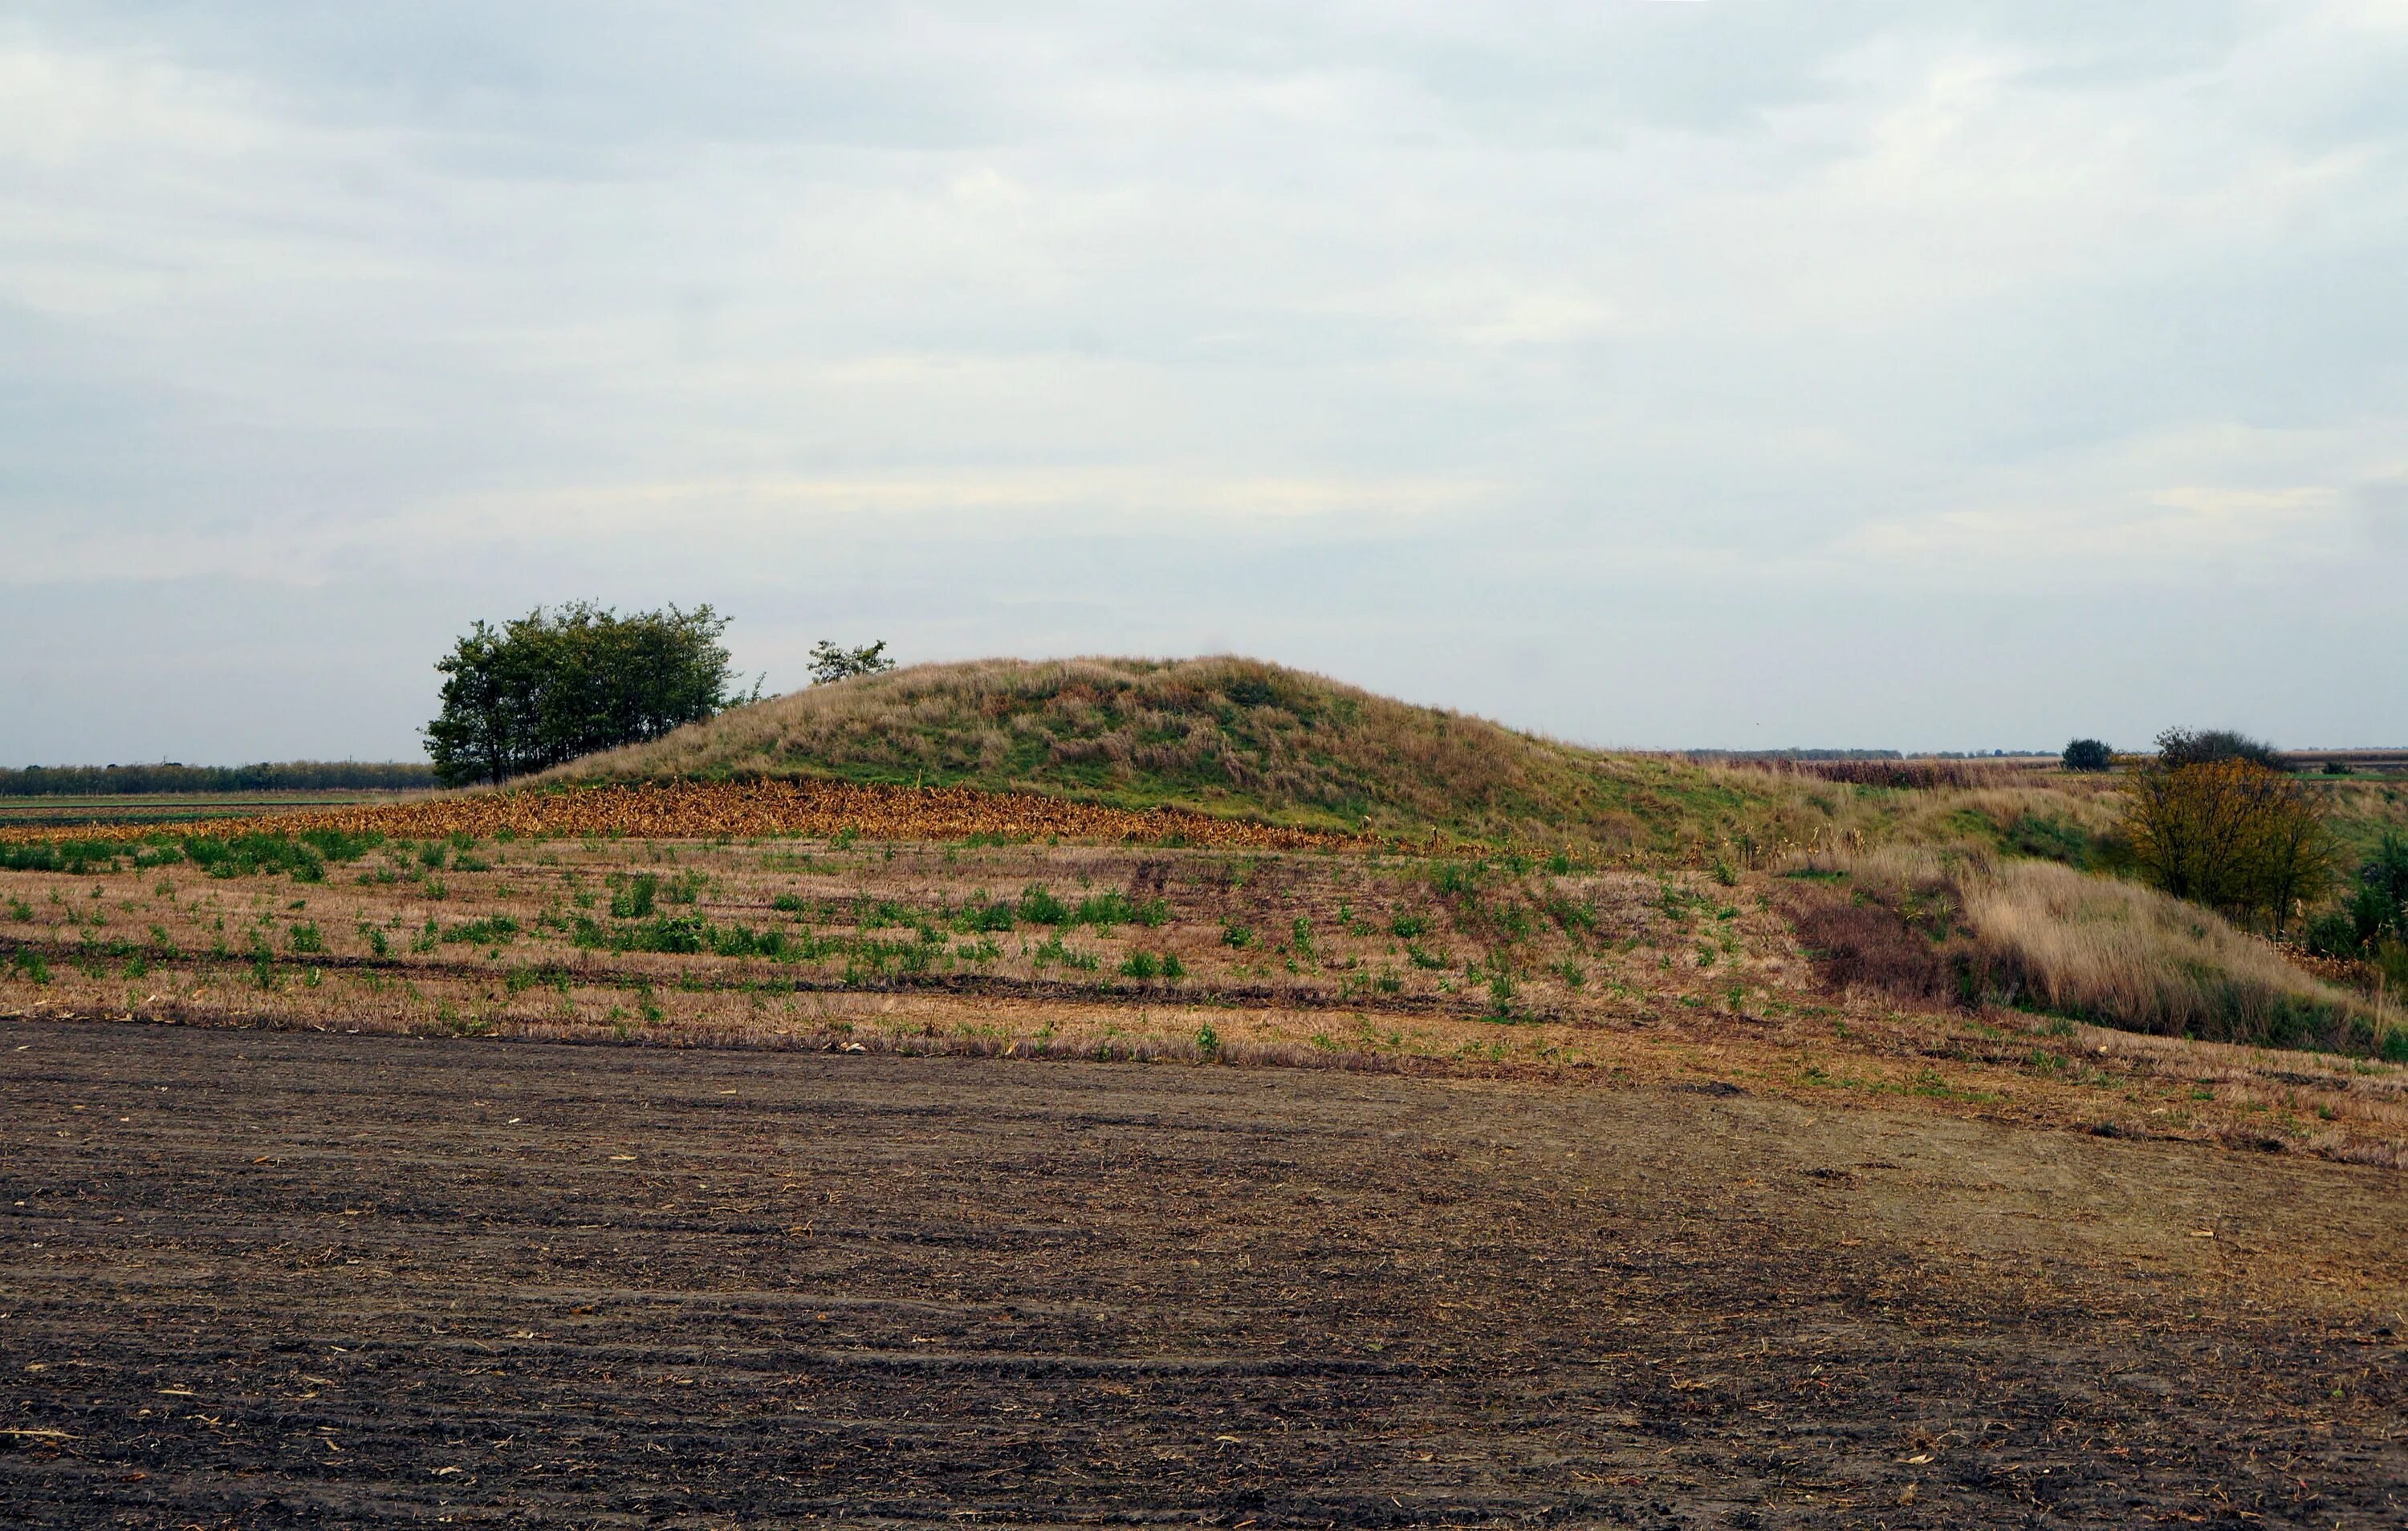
(72, 856)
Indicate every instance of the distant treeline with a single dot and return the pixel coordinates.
(1793, 755)
(267, 776)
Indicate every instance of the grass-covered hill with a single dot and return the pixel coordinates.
(1225, 736)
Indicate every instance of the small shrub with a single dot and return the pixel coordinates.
(982, 918)
(637, 897)
(304, 937)
(1038, 907)
(1502, 989)
(1140, 966)
(682, 933)
(1105, 910)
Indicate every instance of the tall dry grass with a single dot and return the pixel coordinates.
(2099, 949)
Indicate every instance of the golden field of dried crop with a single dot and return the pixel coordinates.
(711, 810)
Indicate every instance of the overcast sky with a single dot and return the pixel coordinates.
(1928, 374)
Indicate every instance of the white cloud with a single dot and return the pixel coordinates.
(1523, 304)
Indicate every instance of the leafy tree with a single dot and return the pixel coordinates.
(831, 663)
(553, 685)
(2230, 834)
(2205, 746)
(2089, 756)
(2382, 888)
(2377, 913)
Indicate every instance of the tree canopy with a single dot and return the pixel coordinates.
(555, 684)
(832, 662)
(2089, 756)
(2230, 834)
(2178, 746)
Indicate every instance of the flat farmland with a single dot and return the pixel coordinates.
(271, 1278)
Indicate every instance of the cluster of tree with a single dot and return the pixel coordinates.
(2214, 818)
(2377, 914)
(2178, 746)
(266, 776)
(553, 685)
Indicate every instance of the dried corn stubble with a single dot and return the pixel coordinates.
(711, 810)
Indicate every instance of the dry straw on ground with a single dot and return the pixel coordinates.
(792, 806)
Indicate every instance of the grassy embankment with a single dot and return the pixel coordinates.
(1237, 737)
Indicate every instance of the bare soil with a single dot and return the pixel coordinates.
(279, 1279)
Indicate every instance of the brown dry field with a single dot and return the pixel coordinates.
(269, 1278)
(1609, 976)
(1662, 1231)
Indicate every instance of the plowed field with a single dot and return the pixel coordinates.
(268, 1280)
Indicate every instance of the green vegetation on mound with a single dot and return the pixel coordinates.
(1224, 736)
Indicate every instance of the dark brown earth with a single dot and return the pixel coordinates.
(255, 1279)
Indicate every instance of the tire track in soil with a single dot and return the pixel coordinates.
(274, 1280)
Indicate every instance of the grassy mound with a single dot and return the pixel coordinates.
(1224, 736)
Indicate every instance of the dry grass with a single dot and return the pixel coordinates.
(2037, 934)
(1222, 735)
